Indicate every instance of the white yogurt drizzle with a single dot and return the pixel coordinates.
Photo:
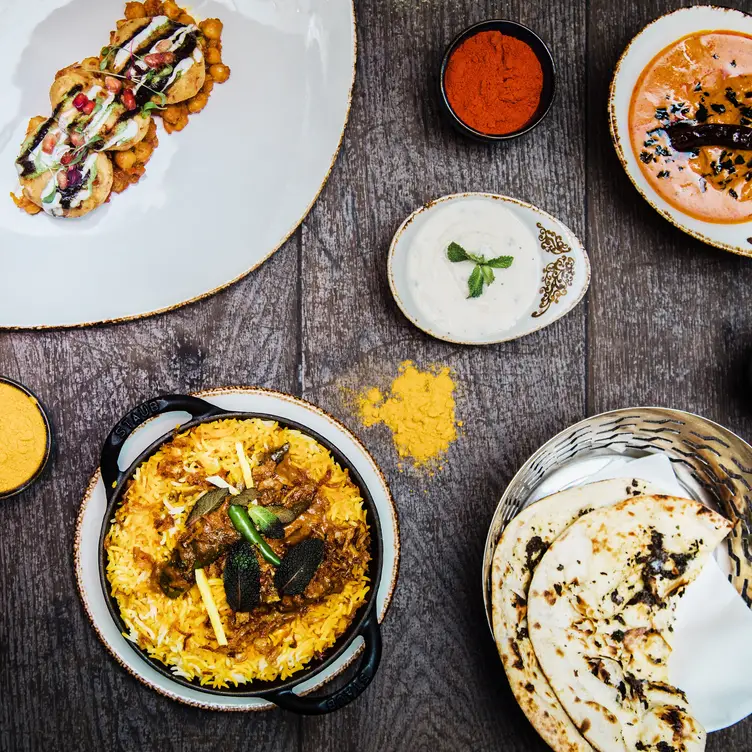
(122, 56)
(123, 132)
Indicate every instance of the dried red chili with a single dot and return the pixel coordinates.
(494, 82)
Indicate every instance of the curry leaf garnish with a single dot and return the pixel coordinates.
(482, 271)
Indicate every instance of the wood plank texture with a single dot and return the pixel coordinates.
(665, 323)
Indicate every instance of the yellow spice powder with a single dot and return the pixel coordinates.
(23, 437)
(419, 411)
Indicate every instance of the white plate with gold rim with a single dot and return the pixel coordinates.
(654, 38)
(94, 505)
(218, 198)
(553, 281)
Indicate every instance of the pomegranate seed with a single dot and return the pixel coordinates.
(48, 145)
(62, 180)
(112, 84)
(163, 46)
(88, 108)
(74, 177)
(76, 138)
(67, 158)
(80, 100)
(129, 100)
(154, 60)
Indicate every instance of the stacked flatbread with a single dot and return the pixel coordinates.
(585, 585)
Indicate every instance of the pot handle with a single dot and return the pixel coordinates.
(369, 664)
(168, 403)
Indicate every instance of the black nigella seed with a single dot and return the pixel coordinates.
(719, 108)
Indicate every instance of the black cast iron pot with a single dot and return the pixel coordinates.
(365, 621)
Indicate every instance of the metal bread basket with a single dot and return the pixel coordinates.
(713, 464)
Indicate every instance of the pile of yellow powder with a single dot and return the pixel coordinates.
(419, 411)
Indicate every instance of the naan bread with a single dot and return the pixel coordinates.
(521, 547)
(600, 612)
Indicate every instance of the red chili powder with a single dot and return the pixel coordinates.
(494, 82)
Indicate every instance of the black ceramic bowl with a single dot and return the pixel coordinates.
(512, 29)
(365, 622)
(48, 446)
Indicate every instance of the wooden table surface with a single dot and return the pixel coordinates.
(666, 323)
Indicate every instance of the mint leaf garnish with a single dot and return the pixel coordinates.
(500, 262)
(482, 271)
(475, 283)
(455, 252)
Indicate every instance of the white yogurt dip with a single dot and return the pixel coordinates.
(439, 287)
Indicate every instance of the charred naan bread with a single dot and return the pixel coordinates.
(600, 612)
(160, 56)
(523, 543)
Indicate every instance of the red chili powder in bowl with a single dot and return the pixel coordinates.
(493, 83)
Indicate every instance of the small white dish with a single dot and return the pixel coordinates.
(655, 37)
(556, 275)
(94, 506)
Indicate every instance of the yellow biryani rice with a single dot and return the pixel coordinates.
(178, 632)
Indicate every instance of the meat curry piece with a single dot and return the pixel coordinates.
(279, 483)
(202, 543)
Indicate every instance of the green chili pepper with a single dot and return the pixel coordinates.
(244, 525)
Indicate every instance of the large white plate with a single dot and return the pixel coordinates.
(94, 505)
(655, 37)
(218, 198)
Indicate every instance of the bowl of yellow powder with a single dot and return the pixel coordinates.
(25, 438)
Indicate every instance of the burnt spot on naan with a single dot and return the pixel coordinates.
(665, 747)
(605, 712)
(534, 551)
(598, 669)
(519, 664)
(673, 717)
(667, 689)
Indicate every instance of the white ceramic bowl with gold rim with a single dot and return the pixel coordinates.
(218, 198)
(560, 277)
(94, 506)
(655, 37)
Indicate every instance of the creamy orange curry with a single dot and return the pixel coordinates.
(703, 78)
